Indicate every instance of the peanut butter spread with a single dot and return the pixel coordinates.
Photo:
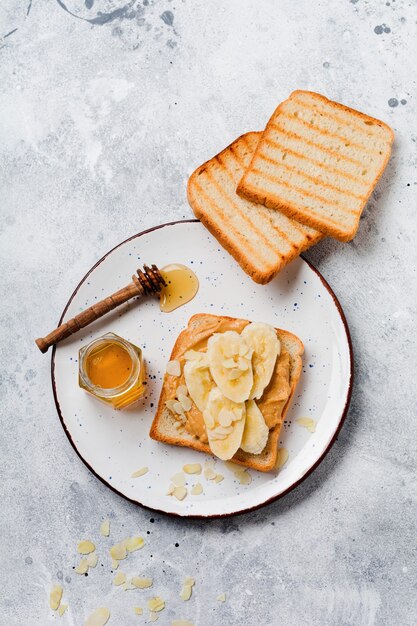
(274, 397)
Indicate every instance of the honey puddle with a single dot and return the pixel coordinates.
(181, 287)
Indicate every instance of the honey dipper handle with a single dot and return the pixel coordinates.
(90, 315)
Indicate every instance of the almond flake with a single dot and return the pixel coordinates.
(282, 457)
(229, 364)
(221, 597)
(173, 368)
(223, 430)
(85, 547)
(185, 402)
(181, 622)
(82, 567)
(128, 586)
(142, 583)
(180, 493)
(119, 579)
(170, 405)
(243, 364)
(61, 609)
(140, 472)
(308, 423)
(189, 581)
(193, 355)
(92, 559)
(178, 408)
(134, 543)
(219, 478)
(197, 489)
(153, 617)
(192, 468)
(182, 390)
(225, 417)
(178, 479)
(55, 597)
(171, 489)
(138, 610)
(244, 477)
(186, 592)
(156, 604)
(99, 617)
(209, 473)
(105, 528)
(118, 552)
(114, 564)
(243, 349)
(235, 374)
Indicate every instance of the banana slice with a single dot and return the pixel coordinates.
(229, 359)
(255, 433)
(263, 341)
(224, 441)
(198, 381)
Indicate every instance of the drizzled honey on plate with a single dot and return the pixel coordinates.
(112, 370)
(181, 285)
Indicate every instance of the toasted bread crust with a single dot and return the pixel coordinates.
(207, 212)
(311, 218)
(263, 462)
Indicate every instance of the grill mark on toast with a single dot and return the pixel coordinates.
(275, 144)
(300, 190)
(236, 207)
(329, 112)
(317, 181)
(223, 217)
(327, 133)
(309, 142)
(267, 217)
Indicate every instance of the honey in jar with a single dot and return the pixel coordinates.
(112, 370)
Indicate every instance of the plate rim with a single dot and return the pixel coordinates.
(215, 515)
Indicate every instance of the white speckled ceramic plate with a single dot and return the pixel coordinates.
(115, 444)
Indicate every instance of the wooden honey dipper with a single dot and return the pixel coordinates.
(147, 283)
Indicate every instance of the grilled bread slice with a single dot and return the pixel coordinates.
(164, 426)
(261, 240)
(318, 162)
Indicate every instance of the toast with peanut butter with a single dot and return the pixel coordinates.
(227, 390)
(263, 241)
(317, 162)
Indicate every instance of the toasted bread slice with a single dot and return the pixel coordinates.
(163, 426)
(318, 162)
(261, 240)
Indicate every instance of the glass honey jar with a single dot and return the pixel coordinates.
(112, 370)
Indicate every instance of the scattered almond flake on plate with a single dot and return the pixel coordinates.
(185, 593)
(134, 543)
(282, 457)
(209, 473)
(119, 579)
(178, 479)
(99, 617)
(173, 368)
(171, 489)
(114, 564)
(221, 597)
(61, 609)
(92, 559)
(308, 423)
(219, 478)
(156, 604)
(129, 586)
(105, 528)
(244, 477)
(55, 597)
(82, 567)
(189, 581)
(153, 617)
(118, 552)
(192, 468)
(180, 493)
(141, 582)
(181, 622)
(197, 489)
(85, 547)
(140, 472)
(138, 610)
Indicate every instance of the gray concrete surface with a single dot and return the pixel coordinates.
(105, 109)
